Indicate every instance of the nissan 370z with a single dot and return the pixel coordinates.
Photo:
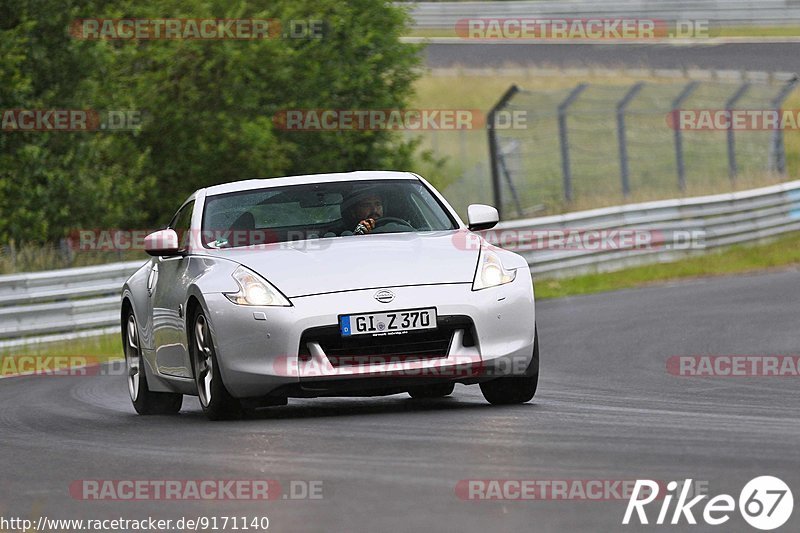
(357, 284)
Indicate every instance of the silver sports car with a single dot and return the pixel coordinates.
(358, 284)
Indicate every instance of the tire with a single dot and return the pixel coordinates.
(439, 390)
(216, 401)
(517, 389)
(144, 400)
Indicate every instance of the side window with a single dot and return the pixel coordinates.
(182, 223)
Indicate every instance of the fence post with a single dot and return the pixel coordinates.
(676, 104)
(501, 159)
(68, 255)
(493, 150)
(733, 169)
(777, 152)
(564, 139)
(621, 138)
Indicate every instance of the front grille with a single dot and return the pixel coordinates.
(366, 349)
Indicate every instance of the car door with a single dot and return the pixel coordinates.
(168, 297)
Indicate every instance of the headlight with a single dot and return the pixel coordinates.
(490, 272)
(255, 290)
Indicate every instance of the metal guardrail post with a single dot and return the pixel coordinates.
(493, 149)
(777, 153)
(621, 138)
(563, 107)
(676, 104)
(733, 169)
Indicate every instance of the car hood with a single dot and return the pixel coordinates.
(364, 262)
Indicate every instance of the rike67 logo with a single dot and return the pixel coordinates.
(766, 503)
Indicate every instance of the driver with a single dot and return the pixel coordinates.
(362, 210)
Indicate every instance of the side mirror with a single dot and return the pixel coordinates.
(482, 217)
(163, 242)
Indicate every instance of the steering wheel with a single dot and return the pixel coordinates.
(388, 220)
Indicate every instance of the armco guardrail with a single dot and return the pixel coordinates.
(60, 304)
(718, 12)
(46, 305)
(712, 221)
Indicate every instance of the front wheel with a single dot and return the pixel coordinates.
(144, 401)
(516, 389)
(216, 401)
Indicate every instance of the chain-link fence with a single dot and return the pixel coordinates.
(592, 145)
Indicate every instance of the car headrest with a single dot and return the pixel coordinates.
(246, 221)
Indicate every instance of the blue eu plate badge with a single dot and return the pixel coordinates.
(344, 326)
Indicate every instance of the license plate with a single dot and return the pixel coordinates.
(392, 322)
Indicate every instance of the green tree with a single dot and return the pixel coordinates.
(208, 106)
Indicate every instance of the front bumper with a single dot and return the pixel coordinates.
(259, 348)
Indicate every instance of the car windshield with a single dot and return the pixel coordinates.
(321, 210)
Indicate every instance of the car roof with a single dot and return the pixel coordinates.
(360, 175)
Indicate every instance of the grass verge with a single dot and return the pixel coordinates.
(48, 358)
(781, 252)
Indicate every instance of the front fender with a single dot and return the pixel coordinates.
(134, 291)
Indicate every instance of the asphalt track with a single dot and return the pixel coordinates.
(606, 409)
(771, 57)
